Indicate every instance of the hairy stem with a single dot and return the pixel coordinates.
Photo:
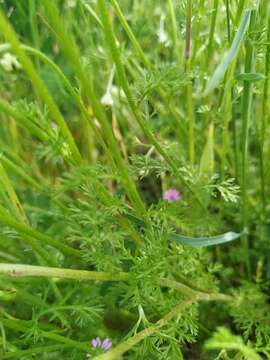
(19, 270)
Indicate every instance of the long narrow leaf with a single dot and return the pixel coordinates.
(24, 230)
(231, 54)
(191, 241)
(204, 241)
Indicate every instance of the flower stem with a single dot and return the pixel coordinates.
(190, 110)
(246, 119)
(21, 270)
(116, 352)
(175, 31)
(125, 346)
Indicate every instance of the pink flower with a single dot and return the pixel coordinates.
(96, 342)
(105, 344)
(171, 195)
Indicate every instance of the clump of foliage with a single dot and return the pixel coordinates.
(134, 216)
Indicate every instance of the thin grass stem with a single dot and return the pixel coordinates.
(246, 121)
(11, 37)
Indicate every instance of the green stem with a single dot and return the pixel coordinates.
(240, 9)
(17, 207)
(190, 110)
(190, 292)
(212, 32)
(19, 171)
(23, 121)
(27, 64)
(175, 31)
(130, 33)
(228, 20)
(36, 350)
(191, 120)
(30, 180)
(226, 117)
(25, 230)
(147, 63)
(34, 26)
(32, 127)
(20, 270)
(125, 346)
(188, 30)
(4, 339)
(246, 119)
(19, 213)
(20, 326)
(41, 253)
(197, 27)
(73, 53)
(124, 83)
(119, 350)
(265, 118)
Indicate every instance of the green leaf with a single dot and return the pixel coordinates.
(224, 339)
(191, 241)
(250, 77)
(204, 241)
(134, 219)
(231, 54)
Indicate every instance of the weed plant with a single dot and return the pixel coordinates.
(134, 179)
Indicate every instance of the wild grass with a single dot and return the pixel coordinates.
(134, 179)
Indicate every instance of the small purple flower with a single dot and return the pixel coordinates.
(104, 345)
(171, 195)
(96, 342)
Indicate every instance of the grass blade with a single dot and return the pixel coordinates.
(27, 64)
(25, 230)
(22, 120)
(204, 241)
(247, 101)
(231, 54)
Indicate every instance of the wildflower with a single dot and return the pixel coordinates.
(96, 342)
(171, 195)
(10, 62)
(107, 98)
(161, 33)
(104, 345)
(114, 92)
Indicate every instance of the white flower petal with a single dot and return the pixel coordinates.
(107, 99)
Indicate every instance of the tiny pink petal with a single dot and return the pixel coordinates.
(171, 195)
(96, 342)
(106, 345)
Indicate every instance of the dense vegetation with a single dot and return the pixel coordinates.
(134, 179)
